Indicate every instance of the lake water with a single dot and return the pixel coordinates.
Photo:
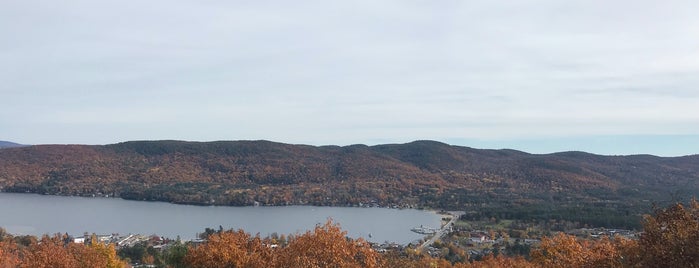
(40, 214)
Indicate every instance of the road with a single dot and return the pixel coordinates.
(455, 215)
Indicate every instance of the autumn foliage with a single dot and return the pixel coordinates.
(671, 237)
(568, 251)
(231, 249)
(325, 246)
(9, 255)
(55, 252)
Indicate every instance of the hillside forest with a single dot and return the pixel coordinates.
(588, 189)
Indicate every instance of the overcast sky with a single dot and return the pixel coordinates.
(610, 77)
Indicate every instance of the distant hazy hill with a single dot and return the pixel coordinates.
(7, 144)
(497, 183)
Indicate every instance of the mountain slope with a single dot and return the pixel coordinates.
(7, 144)
(421, 173)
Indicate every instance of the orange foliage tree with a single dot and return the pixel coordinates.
(49, 252)
(103, 255)
(565, 250)
(230, 249)
(671, 237)
(9, 254)
(500, 262)
(327, 246)
(52, 252)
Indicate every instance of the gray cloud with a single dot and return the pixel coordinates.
(350, 72)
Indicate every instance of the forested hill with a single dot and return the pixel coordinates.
(421, 173)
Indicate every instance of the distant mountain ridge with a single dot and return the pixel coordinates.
(420, 173)
(7, 144)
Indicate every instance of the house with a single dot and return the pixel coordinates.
(477, 239)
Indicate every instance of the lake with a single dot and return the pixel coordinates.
(42, 214)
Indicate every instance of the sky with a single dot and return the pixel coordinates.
(608, 77)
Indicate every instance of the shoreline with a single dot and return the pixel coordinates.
(210, 218)
(200, 204)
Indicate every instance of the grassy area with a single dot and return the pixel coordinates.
(463, 224)
(484, 225)
(500, 225)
